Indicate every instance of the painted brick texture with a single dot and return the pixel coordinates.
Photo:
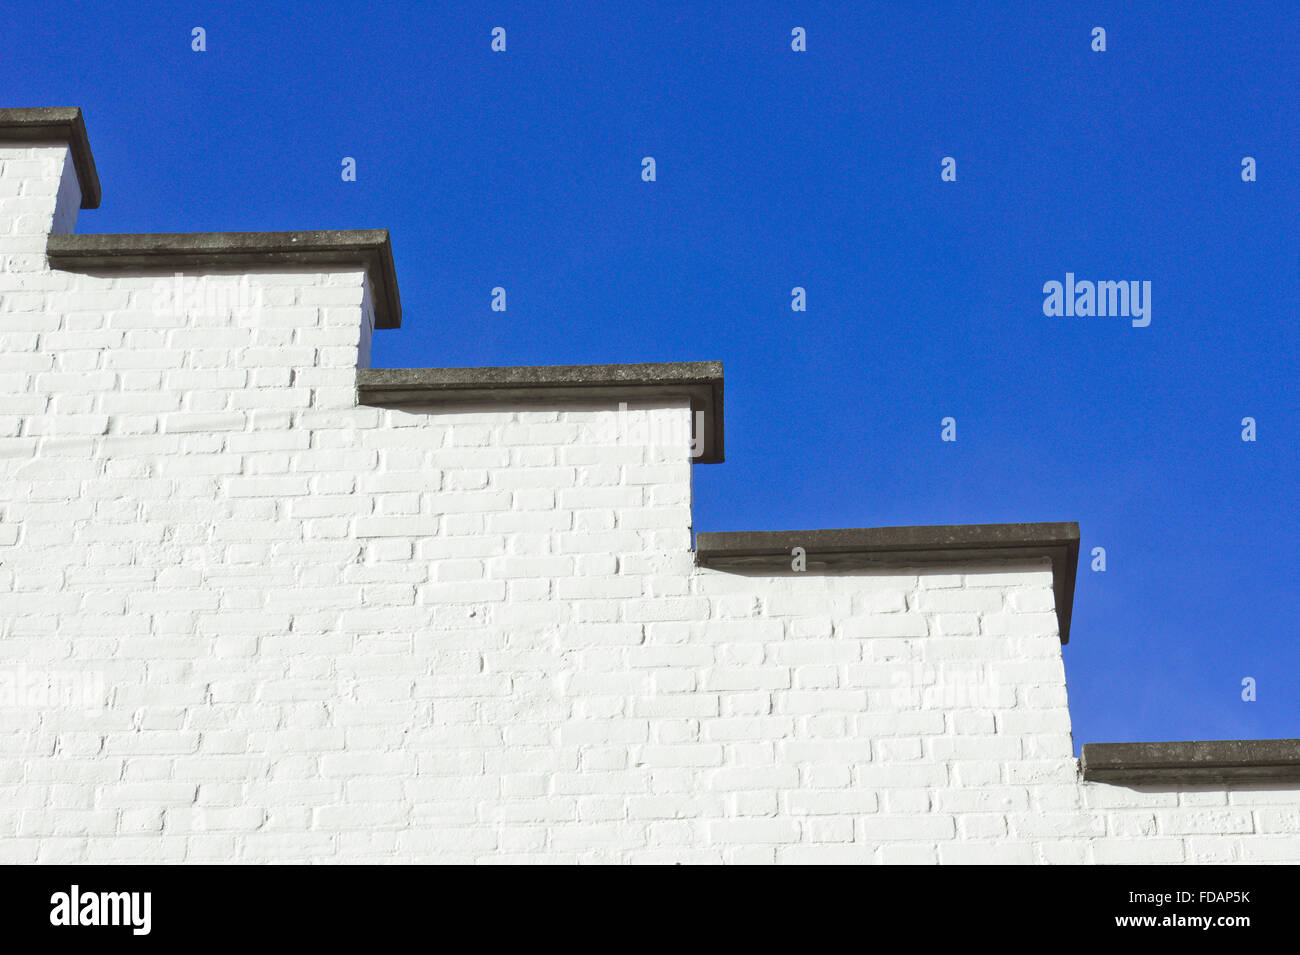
(243, 618)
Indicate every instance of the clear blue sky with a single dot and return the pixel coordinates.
(819, 169)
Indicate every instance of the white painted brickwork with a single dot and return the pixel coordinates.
(289, 628)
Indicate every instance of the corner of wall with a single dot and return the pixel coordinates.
(39, 190)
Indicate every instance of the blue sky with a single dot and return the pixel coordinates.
(818, 169)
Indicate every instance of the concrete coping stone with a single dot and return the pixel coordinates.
(700, 382)
(370, 249)
(895, 546)
(1192, 761)
(56, 124)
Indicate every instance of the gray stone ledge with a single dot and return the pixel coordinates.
(700, 382)
(894, 546)
(56, 124)
(1205, 761)
(369, 249)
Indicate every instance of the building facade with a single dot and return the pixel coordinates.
(260, 602)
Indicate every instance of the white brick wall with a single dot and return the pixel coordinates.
(302, 630)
